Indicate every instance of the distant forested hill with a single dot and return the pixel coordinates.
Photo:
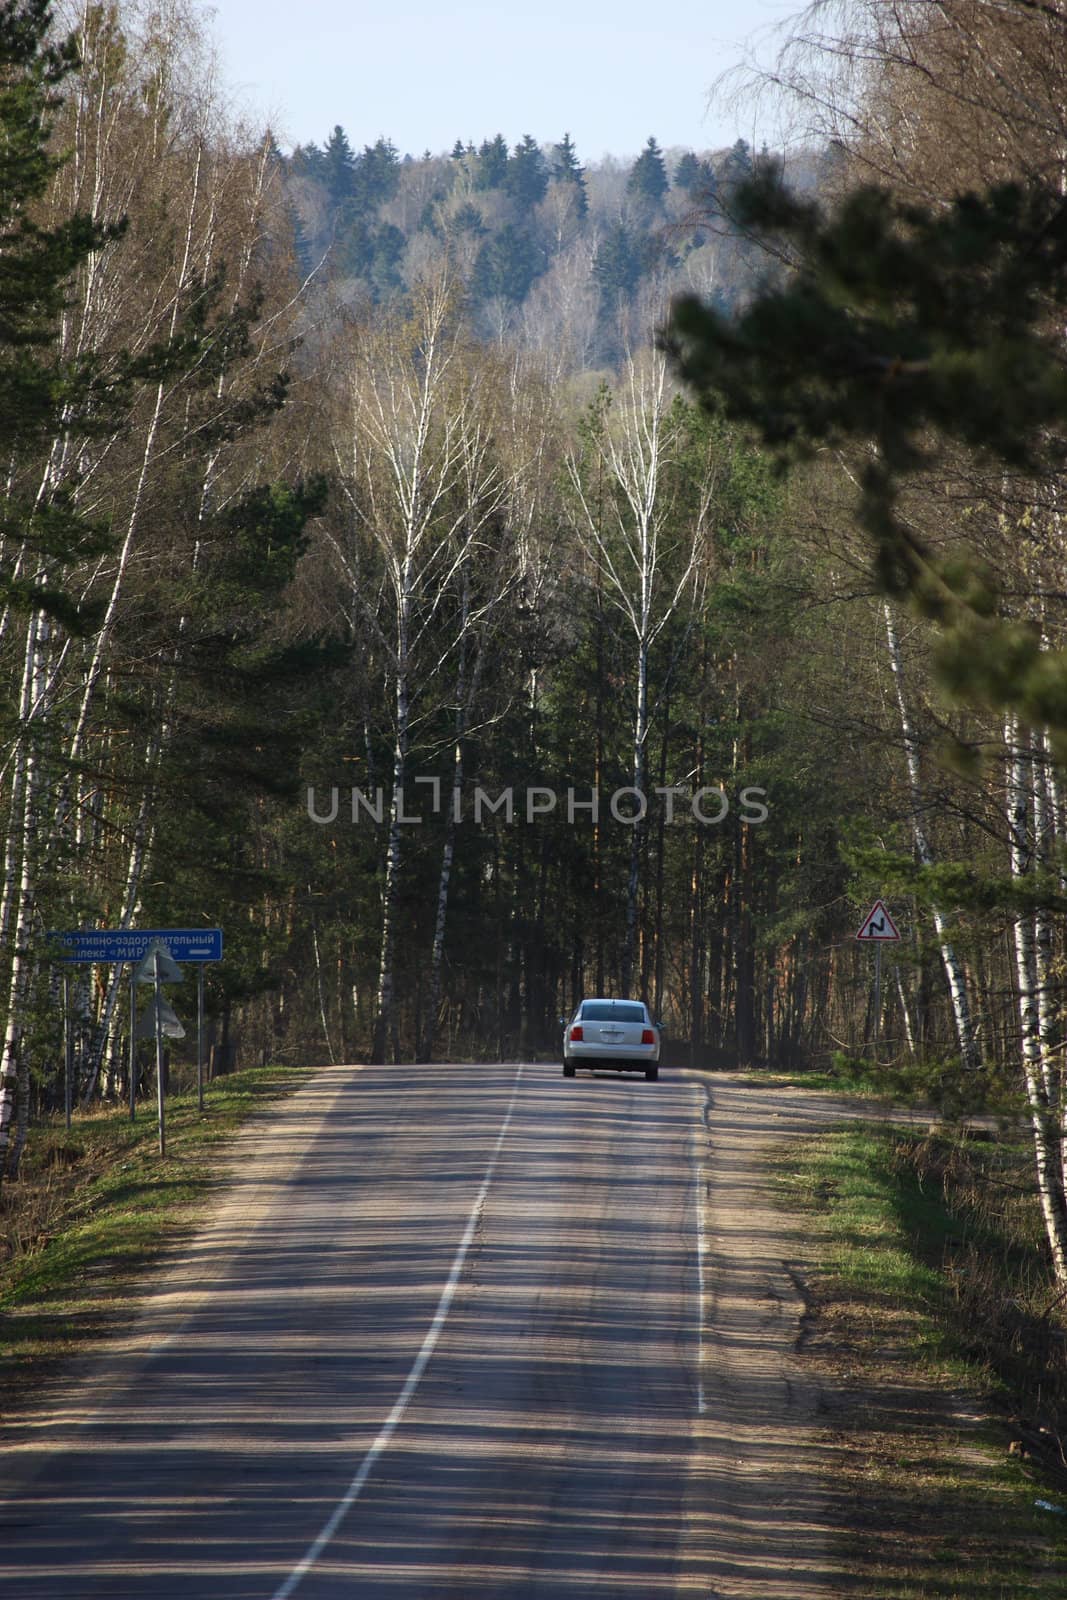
(555, 255)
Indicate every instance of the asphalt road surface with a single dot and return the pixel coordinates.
(457, 1331)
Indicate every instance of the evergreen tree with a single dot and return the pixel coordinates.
(565, 169)
(737, 166)
(526, 179)
(687, 172)
(353, 249)
(906, 325)
(377, 174)
(307, 161)
(648, 181)
(468, 219)
(386, 255)
(492, 163)
(39, 391)
(507, 265)
(338, 171)
(617, 267)
(694, 177)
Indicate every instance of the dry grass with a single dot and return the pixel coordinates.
(95, 1205)
(932, 1312)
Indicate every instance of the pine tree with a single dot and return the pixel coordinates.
(468, 219)
(648, 181)
(565, 169)
(694, 177)
(687, 172)
(492, 163)
(307, 161)
(507, 265)
(339, 167)
(377, 175)
(617, 267)
(38, 390)
(526, 179)
(737, 167)
(387, 254)
(906, 325)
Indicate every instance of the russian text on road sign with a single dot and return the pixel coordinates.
(878, 924)
(133, 944)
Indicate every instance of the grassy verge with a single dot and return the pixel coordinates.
(933, 1313)
(95, 1205)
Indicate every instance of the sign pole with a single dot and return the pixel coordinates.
(66, 1047)
(878, 929)
(133, 1042)
(200, 1035)
(159, 1055)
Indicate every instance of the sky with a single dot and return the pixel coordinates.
(608, 72)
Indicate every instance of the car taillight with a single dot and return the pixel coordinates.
(577, 1035)
(648, 1037)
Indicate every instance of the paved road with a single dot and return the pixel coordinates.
(443, 1340)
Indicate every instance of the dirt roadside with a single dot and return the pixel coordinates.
(765, 1501)
(789, 1410)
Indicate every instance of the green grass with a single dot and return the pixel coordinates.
(919, 1252)
(852, 1077)
(95, 1205)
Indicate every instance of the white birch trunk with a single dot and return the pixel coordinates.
(12, 1058)
(385, 994)
(437, 952)
(1048, 1139)
(905, 1012)
(637, 780)
(957, 983)
(629, 555)
(1043, 933)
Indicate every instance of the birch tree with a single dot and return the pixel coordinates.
(164, 319)
(37, 391)
(1044, 1088)
(418, 484)
(646, 564)
(954, 973)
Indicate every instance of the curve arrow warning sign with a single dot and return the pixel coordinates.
(878, 924)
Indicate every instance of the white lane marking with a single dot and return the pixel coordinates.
(701, 1252)
(395, 1417)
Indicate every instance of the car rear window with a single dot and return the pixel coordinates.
(612, 1011)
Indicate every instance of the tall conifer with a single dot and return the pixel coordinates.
(566, 169)
(648, 180)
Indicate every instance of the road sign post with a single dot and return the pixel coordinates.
(200, 1036)
(133, 1044)
(157, 968)
(878, 928)
(133, 945)
(158, 993)
(67, 1095)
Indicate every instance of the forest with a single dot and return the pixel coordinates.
(392, 578)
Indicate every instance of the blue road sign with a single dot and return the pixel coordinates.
(132, 944)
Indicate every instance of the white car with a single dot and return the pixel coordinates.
(611, 1033)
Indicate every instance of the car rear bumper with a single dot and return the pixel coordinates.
(620, 1056)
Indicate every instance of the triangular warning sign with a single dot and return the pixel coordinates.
(878, 924)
